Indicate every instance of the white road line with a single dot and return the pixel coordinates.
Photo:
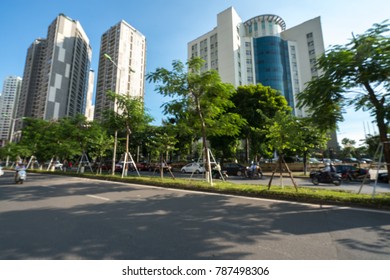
(97, 197)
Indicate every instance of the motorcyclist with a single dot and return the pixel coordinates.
(252, 169)
(328, 170)
(19, 166)
(216, 170)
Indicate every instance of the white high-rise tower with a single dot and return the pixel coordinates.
(124, 71)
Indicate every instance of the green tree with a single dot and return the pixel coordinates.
(348, 147)
(372, 143)
(161, 144)
(224, 147)
(199, 100)
(41, 138)
(362, 66)
(309, 138)
(282, 135)
(257, 103)
(131, 116)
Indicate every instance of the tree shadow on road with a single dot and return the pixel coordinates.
(145, 223)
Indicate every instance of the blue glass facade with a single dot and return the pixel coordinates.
(272, 65)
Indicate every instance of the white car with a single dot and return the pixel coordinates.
(1, 171)
(56, 163)
(193, 168)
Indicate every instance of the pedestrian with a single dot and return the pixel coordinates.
(65, 165)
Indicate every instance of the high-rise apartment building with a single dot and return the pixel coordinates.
(262, 50)
(8, 100)
(31, 100)
(123, 71)
(90, 107)
(56, 73)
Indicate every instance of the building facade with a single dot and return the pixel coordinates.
(8, 100)
(122, 64)
(90, 107)
(262, 50)
(56, 74)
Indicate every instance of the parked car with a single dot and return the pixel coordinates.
(365, 160)
(1, 171)
(193, 167)
(130, 166)
(56, 163)
(143, 166)
(383, 177)
(234, 169)
(313, 160)
(350, 160)
(157, 166)
(107, 167)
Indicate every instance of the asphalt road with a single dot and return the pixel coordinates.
(55, 217)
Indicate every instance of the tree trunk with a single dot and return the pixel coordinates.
(247, 148)
(161, 166)
(114, 152)
(380, 120)
(204, 141)
(126, 158)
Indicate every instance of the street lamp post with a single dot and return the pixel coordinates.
(11, 134)
(115, 110)
(125, 160)
(12, 131)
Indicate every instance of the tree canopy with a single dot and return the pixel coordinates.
(200, 101)
(356, 74)
(256, 104)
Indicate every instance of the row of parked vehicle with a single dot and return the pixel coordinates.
(229, 169)
(141, 166)
(350, 160)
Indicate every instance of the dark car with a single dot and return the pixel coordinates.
(143, 166)
(383, 177)
(352, 173)
(156, 167)
(350, 160)
(234, 169)
(107, 167)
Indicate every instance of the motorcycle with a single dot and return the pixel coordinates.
(356, 175)
(325, 177)
(20, 176)
(251, 173)
(217, 174)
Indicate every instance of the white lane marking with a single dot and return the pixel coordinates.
(97, 197)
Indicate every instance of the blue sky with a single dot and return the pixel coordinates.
(170, 24)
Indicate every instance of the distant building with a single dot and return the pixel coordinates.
(8, 100)
(262, 50)
(56, 73)
(125, 72)
(89, 107)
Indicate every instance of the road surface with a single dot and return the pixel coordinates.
(56, 217)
